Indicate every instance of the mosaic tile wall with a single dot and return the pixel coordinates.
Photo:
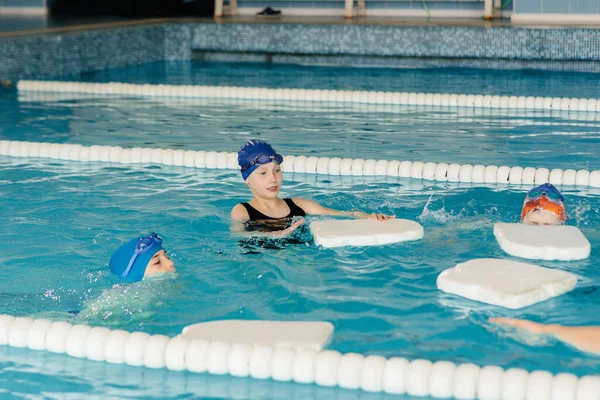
(378, 40)
(53, 55)
(37, 56)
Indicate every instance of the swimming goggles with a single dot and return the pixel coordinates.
(142, 246)
(264, 159)
(547, 190)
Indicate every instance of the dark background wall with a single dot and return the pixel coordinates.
(133, 8)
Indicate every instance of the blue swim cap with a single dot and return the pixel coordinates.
(139, 250)
(248, 155)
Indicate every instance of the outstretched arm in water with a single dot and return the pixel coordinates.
(585, 338)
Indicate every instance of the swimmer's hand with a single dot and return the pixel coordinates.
(375, 216)
(288, 231)
(381, 216)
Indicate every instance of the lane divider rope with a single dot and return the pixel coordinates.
(349, 96)
(442, 172)
(395, 375)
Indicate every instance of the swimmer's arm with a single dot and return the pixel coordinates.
(239, 217)
(585, 338)
(314, 208)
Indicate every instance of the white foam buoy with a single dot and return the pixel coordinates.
(19, 332)
(394, 375)
(416, 170)
(372, 373)
(466, 377)
(490, 383)
(56, 338)
(405, 169)
(392, 168)
(134, 349)
(77, 340)
(588, 388)
(453, 174)
(478, 174)
(564, 387)
(350, 371)
(514, 384)
(282, 364)
(36, 338)
(417, 377)
(334, 165)
(175, 352)
(116, 350)
(239, 359)
(304, 366)
(429, 170)
(154, 351)
(96, 340)
(441, 382)
(356, 168)
(260, 361)
(465, 173)
(311, 165)
(326, 368)
(441, 170)
(539, 385)
(217, 357)
(323, 165)
(196, 356)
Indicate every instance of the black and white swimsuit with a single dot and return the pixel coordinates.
(261, 222)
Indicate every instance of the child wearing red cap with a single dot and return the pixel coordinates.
(544, 205)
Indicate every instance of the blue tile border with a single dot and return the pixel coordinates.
(78, 52)
(55, 54)
(406, 41)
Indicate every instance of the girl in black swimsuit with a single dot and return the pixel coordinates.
(261, 222)
(266, 212)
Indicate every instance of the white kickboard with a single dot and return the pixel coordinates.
(542, 242)
(364, 232)
(296, 334)
(505, 283)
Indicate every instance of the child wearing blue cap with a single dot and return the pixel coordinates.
(261, 170)
(141, 257)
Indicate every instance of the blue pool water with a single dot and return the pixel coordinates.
(61, 221)
(461, 135)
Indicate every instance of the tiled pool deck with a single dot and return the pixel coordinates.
(71, 47)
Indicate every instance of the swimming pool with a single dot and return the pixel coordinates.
(381, 300)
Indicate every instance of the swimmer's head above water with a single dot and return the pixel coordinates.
(544, 205)
(141, 257)
(260, 166)
(254, 154)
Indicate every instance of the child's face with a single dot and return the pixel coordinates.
(160, 263)
(265, 181)
(540, 216)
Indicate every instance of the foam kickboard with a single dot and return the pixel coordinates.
(297, 334)
(364, 232)
(542, 242)
(505, 283)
